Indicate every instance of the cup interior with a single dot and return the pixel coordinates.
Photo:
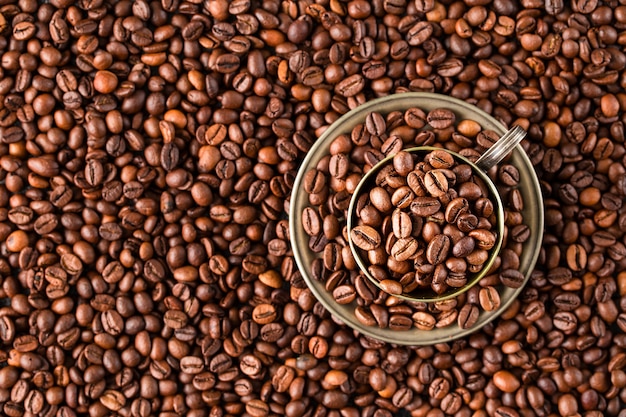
(426, 294)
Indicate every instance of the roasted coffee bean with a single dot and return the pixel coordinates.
(46, 223)
(468, 315)
(314, 182)
(512, 278)
(455, 208)
(365, 237)
(21, 215)
(403, 163)
(332, 257)
(576, 256)
(463, 247)
(404, 249)
(402, 224)
(375, 124)
(419, 33)
(440, 118)
(425, 206)
(489, 298)
(350, 86)
(436, 183)
(441, 160)
(344, 294)
(423, 320)
(257, 408)
(311, 222)
(438, 249)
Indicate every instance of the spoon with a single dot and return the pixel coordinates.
(501, 148)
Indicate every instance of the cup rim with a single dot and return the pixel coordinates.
(451, 292)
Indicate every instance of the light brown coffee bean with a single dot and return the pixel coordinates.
(436, 183)
(365, 237)
(489, 298)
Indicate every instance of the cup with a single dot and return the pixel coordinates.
(345, 313)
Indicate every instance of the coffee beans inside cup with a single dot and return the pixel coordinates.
(425, 219)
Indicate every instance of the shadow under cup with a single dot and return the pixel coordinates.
(427, 294)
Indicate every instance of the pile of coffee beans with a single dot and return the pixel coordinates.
(147, 153)
(429, 221)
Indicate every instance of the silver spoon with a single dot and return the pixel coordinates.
(501, 148)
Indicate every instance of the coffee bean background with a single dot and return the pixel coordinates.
(147, 153)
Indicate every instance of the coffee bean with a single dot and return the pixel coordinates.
(567, 301)
(24, 31)
(344, 294)
(423, 320)
(455, 208)
(365, 237)
(314, 182)
(403, 163)
(257, 408)
(392, 145)
(451, 403)
(175, 319)
(436, 183)
(419, 33)
(332, 257)
(112, 322)
(425, 206)
(21, 215)
(402, 224)
(400, 322)
(375, 124)
(350, 86)
(94, 172)
(113, 400)
(468, 315)
(404, 249)
(576, 257)
(46, 223)
(506, 381)
(283, 377)
(439, 387)
(467, 222)
(509, 175)
(438, 249)
(440, 118)
(391, 287)
(489, 298)
(191, 364)
(264, 313)
(520, 233)
(339, 164)
(43, 166)
(511, 278)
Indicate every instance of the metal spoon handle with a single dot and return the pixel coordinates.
(501, 148)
